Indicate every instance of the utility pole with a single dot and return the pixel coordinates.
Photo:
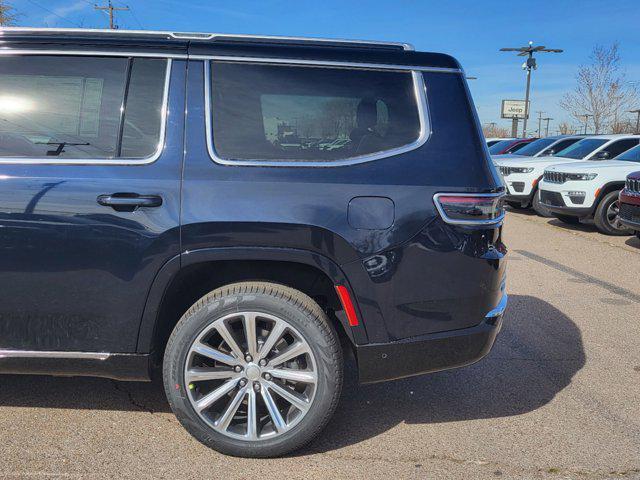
(637, 112)
(529, 65)
(540, 122)
(546, 133)
(111, 9)
(586, 121)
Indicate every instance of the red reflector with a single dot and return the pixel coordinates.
(347, 304)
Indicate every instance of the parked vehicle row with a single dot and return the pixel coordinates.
(575, 178)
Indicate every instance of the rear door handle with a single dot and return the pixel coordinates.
(128, 202)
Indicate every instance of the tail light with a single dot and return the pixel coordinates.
(470, 208)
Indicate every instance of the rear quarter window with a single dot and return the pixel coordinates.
(282, 114)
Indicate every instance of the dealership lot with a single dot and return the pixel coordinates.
(558, 397)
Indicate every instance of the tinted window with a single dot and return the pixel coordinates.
(143, 113)
(561, 145)
(500, 146)
(535, 147)
(517, 147)
(581, 149)
(275, 113)
(616, 148)
(632, 155)
(71, 107)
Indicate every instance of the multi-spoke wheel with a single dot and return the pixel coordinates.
(253, 369)
(606, 216)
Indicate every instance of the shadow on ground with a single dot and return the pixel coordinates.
(633, 242)
(535, 357)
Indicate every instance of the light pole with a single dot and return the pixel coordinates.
(530, 64)
(546, 132)
(637, 112)
(586, 120)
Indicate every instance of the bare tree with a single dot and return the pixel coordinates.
(8, 14)
(565, 129)
(491, 130)
(601, 90)
(623, 126)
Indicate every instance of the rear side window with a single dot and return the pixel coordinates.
(309, 114)
(616, 148)
(65, 107)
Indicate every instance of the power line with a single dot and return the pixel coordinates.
(135, 17)
(54, 13)
(111, 9)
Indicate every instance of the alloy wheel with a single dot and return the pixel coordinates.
(250, 376)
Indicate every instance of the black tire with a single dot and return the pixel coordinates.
(603, 216)
(298, 311)
(538, 207)
(567, 219)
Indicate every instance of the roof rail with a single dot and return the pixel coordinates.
(212, 36)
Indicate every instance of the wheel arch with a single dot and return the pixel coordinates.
(606, 189)
(187, 277)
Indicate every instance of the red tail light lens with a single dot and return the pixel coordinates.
(470, 208)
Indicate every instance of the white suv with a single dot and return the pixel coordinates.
(585, 190)
(522, 174)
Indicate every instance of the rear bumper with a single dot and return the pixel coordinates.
(429, 353)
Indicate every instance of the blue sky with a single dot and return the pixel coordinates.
(472, 31)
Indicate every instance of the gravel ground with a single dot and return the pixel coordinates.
(558, 397)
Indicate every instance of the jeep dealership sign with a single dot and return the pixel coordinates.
(513, 108)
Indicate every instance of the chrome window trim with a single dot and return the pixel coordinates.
(91, 53)
(420, 93)
(325, 63)
(109, 161)
(9, 353)
(478, 223)
(207, 36)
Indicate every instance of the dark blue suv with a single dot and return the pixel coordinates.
(239, 213)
